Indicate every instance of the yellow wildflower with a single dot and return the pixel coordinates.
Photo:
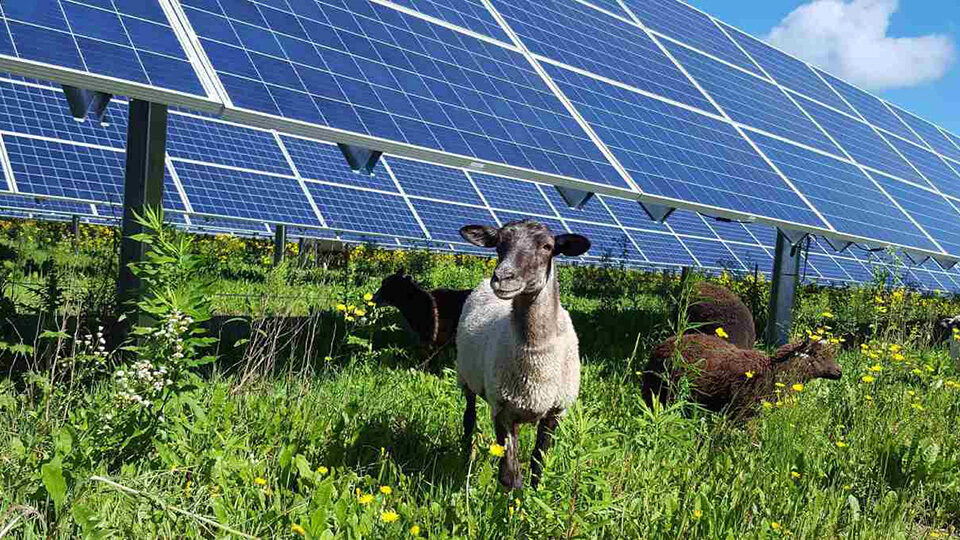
(371, 304)
(868, 397)
(834, 341)
(348, 318)
(899, 357)
(351, 307)
(894, 348)
(876, 368)
(868, 379)
(415, 530)
(298, 530)
(260, 481)
(917, 406)
(749, 374)
(341, 307)
(841, 444)
(916, 371)
(496, 450)
(780, 385)
(366, 498)
(767, 404)
(794, 474)
(359, 312)
(386, 490)
(775, 526)
(797, 387)
(389, 517)
(368, 297)
(697, 514)
(721, 333)
(322, 470)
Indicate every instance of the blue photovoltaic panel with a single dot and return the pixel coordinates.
(631, 214)
(712, 253)
(469, 14)
(224, 144)
(232, 193)
(843, 194)
(953, 138)
(662, 248)
(677, 153)
(871, 108)
(444, 220)
(427, 180)
(861, 141)
(690, 26)
(374, 70)
(930, 134)
(610, 5)
(217, 224)
(325, 162)
(690, 223)
(752, 101)
(731, 231)
(511, 194)
(788, 71)
(828, 268)
(930, 165)
(753, 255)
(132, 41)
(364, 211)
(42, 206)
(555, 225)
(857, 271)
(584, 38)
(607, 243)
(593, 211)
(765, 234)
(44, 112)
(931, 211)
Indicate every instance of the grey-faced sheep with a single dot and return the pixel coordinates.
(713, 306)
(718, 371)
(516, 345)
(430, 315)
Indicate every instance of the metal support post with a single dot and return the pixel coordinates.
(142, 188)
(786, 273)
(279, 243)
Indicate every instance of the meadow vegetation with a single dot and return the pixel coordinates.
(280, 402)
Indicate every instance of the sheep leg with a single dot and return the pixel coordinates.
(545, 431)
(507, 430)
(469, 421)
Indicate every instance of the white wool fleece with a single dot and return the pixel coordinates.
(495, 362)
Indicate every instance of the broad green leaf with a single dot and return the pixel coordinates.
(52, 475)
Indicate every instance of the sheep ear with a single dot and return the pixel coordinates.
(570, 245)
(791, 350)
(480, 235)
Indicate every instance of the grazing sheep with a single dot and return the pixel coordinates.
(951, 329)
(516, 345)
(431, 315)
(713, 306)
(718, 370)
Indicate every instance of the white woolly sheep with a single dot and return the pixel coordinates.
(516, 346)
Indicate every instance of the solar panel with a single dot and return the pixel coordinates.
(555, 225)
(843, 194)
(676, 153)
(130, 42)
(731, 231)
(751, 100)
(788, 71)
(357, 210)
(690, 223)
(325, 162)
(210, 141)
(828, 267)
(662, 248)
(606, 243)
(515, 195)
(379, 72)
(931, 135)
(937, 216)
(685, 24)
(44, 206)
(427, 180)
(593, 211)
(630, 214)
(443, 220)
(713, 254)
(933, 168)
(871, 109)
(753, 255)
(584, 38)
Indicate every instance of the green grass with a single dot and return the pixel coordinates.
(305, 444)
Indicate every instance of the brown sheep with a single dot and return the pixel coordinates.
(431, 315)
(718, 371)
(713, 306)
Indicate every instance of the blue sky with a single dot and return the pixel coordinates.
(938, 101)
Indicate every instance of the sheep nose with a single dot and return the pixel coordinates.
(504, 274)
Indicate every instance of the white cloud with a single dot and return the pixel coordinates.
(849, 39)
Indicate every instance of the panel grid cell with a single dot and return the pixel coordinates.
(690, 223)
(132, 41)
(828, 268)
(843, 194)
(685, 24)
(731, 231)
(349, 209)
(631, 214)
(593, 211)
(555, 225)
(224, 144)
(931, 211)
(712, 254)
(373, 70)
(584, 38)
(662, 248)
(752, 256)
(444, 220)
(677, 153)
(435, 182)
(871, 108)
(933, 168)
(325, 162)
(931, 135)
(511, 194)
(752, 101)
(861, 141)
(469, 14)
(606, 243)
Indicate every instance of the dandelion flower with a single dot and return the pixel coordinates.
(697, 514)
(386, 490)
(496, 450)
(899, 357)
(415, 530)
(389, 517)
(794, 475)
(721, 333)
(341, 307)
(841, 444)
(359, 312)
(366, 498)
(868, 379)
(322, 470)
(797, 387)
(868, 397)
(894, 348)
(876, 368)
(749, 374)
(260, 481)
(367, 297)
(298, 530)
(775, 526)
(767, 404)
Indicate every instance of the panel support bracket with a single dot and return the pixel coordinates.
(575, 198)
(279, 243)
(945, 262)
(916, 259)
(361, 160)
(657, 212)
(87, 103)
(786, 274)
(142, 189)
(838, 245)
(793, 236)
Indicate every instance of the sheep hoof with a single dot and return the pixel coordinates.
(510, 477)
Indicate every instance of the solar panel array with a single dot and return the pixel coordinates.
(648, 99)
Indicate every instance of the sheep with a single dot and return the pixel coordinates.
(431, 315)
(951, 330)
(727, 378)
(516, 345)
(715, 307)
